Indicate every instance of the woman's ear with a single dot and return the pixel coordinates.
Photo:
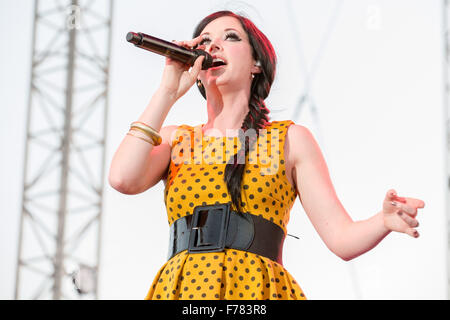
(256, 67)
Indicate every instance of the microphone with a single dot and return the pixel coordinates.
(169, 49)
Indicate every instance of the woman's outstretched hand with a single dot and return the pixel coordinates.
(400, 213)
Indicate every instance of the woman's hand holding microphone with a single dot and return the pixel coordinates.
(177, 79)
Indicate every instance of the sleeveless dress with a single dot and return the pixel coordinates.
(196, 177)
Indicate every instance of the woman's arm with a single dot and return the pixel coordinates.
(136, 164)
(361, 236)
(344, 237)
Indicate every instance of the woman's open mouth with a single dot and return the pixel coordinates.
(217, 68)
(217, 64)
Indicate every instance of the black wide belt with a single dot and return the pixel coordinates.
(212, 228)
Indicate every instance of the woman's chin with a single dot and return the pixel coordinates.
(216, 81)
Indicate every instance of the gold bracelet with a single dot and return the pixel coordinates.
(154, 138)
(145, 127)
(149, 131)
(143, 131)
(146, 140)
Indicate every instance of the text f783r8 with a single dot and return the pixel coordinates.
(246, 309)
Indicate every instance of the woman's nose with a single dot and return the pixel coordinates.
(213, 46)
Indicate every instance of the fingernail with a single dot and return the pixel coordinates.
(399, 213)
(416, 234)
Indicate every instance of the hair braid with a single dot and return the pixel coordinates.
(256, 118)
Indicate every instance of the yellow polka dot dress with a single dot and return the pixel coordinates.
(196, 177)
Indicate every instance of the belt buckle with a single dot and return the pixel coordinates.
(209, 228)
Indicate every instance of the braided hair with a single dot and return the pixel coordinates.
(257, 116)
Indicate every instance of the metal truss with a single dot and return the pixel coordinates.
(65, 149)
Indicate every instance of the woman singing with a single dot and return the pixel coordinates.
(231, 182)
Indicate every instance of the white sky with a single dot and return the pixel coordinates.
(377, 87)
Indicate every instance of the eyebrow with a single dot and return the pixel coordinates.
(227, 29)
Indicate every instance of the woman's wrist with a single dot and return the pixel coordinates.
(157, 109)
(167, 93)
(381, 217)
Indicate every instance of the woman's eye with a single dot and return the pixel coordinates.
(203, 41)
(227, 36)
(232, 36)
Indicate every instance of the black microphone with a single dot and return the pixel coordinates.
(169, 49)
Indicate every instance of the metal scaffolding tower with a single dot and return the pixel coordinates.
(65, 149)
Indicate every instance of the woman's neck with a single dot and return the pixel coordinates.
(226, 112)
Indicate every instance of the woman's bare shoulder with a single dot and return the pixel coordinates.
(166, 133)
(299, 142)
(169, 133)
